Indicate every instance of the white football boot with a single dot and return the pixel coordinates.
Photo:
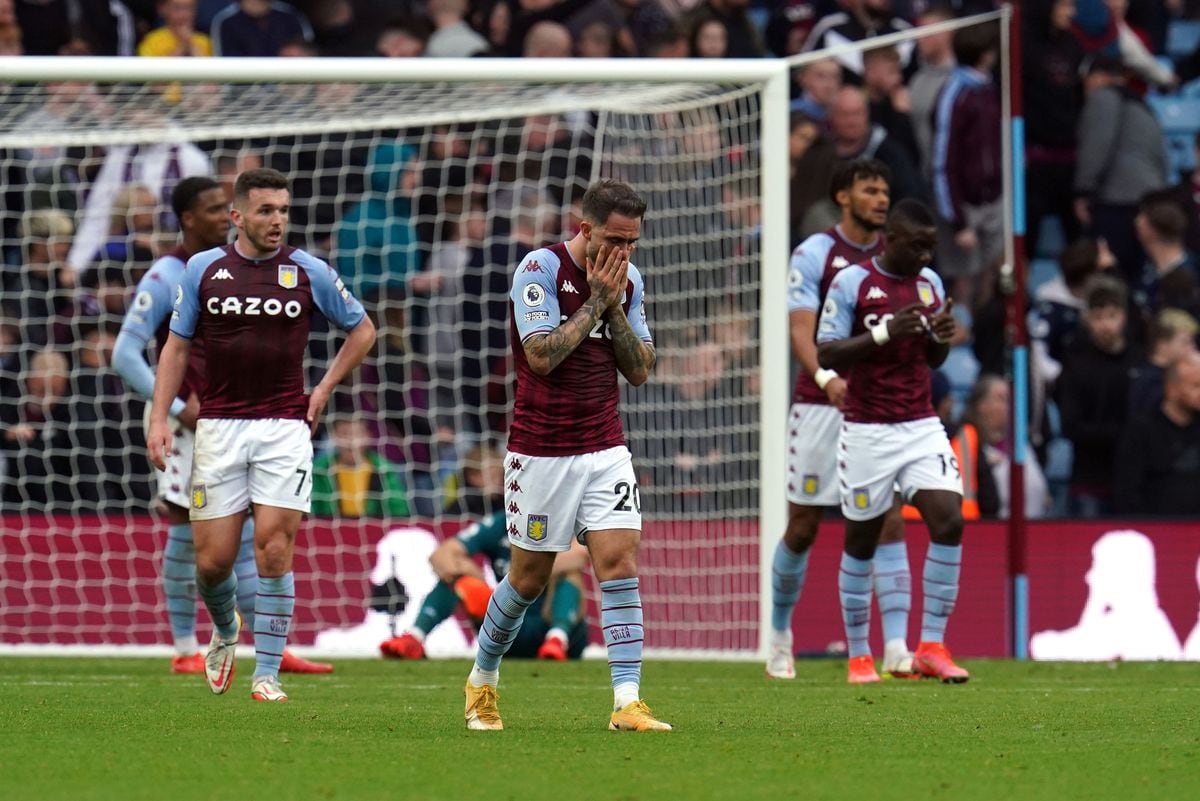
(780, 662)
(267, 688)
(218, 662)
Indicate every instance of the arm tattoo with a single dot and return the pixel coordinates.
(560, 343)
(635, 358)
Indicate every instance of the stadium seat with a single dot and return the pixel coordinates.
(1041, 271)
(1179, 117)
(1183, 37)
(1051, 240)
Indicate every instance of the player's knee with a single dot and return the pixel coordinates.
(948, 528)
(210, 571)
(803, 523)
(273, 556)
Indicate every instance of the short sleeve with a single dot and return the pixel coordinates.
(637, 307)
(804, 276)
(837, 315)
(153, 299)
(187, 294)
(939, 289)
(329, 292)
(534, 295)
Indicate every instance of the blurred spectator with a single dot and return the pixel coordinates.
(855, 137)
(1093, 395)
(452, 36)
(966, 159)
(811, 162)
(404, 37)
(1172, 337)
(1104, 30)
(354, 480)
(935, 60)
(37, 449)
(819, 83)
(1053, 94)
(1187, 194)
(646, 23)
(347, 28)
(1158, 463)
(861, 20)
(477, 488)
(597, 40)
(710, 37)
(78, 27)
(178, 35)
(1169, 277)
(158, 167)
(790, 23)
(988, 410)
(548, 40)
(890, 103)
(1121, 158)
(131, 229)
(376, 240)
(10, 31)
(522, 16)
(742, 37)
(1059, 304)
(671, 42)
(257, 28)
(42, 285)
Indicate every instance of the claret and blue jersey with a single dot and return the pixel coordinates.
(884, 386)
(254, 317)
(574, 409)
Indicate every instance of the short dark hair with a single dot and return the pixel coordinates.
(1078, 261)
(604, 197)
(911, 213)
(973, 41)
(1104, 291)
(885, 53)
(188, 191)
(1165, 217)
(847, 172)
(261, 178)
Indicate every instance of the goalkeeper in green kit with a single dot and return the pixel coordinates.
(555, 627)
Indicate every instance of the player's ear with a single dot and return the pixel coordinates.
(585, 228)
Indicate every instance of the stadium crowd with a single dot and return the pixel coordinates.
(426, 226)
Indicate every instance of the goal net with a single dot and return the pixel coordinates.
(424, 194)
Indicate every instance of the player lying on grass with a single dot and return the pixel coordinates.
(555, 625)
(883, 324)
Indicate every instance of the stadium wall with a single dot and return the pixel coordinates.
(1103, 589)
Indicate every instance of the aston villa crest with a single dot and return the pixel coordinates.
(289, 276)
(925, 293)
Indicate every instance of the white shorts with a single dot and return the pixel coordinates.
(175, 483)
(552, 499)
(813, 431)
(877, 460)
(239, 462)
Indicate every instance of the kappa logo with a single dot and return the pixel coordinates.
(875, 293)
(839, 262)
(514, 486)
(537, 527)
(568, 288)
(513, 531)
(222, 275)
(533, 267)
(514, 464)
(513, 509)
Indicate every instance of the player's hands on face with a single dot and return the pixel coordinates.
(835, 390)
(908, 322)
(943, 325)
(607, 275)
(159, 443)
(316, 405)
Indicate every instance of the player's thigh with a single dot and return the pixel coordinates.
(542, 495)
(281, 457)
(813, 434)
(220, 484)
(932, 464)
(175, 483)
(611, 497)
(869, 461)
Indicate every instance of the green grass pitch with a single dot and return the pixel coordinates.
(126, 729)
